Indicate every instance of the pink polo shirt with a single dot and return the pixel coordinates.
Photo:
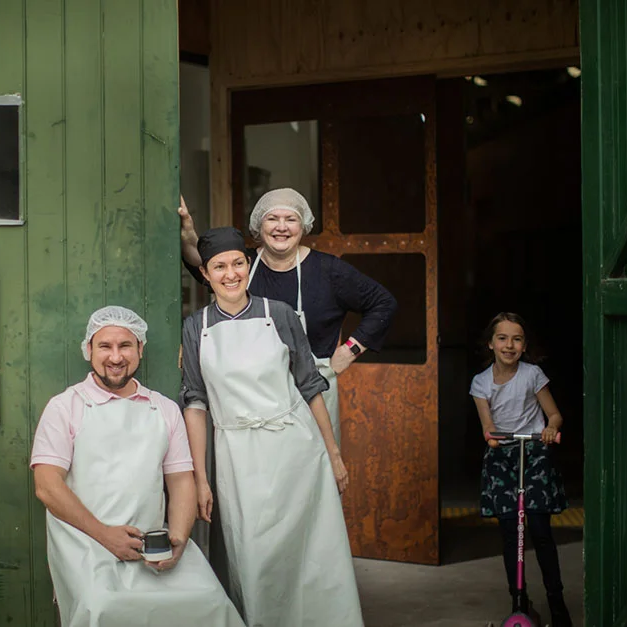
(62, 417)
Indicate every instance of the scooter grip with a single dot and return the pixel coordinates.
(499, 435)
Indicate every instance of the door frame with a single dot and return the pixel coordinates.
(223, 87)
(391, 514)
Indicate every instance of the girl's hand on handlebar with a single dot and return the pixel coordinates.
(549, 434)
(492, 443)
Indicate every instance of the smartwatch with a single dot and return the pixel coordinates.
(354, 348)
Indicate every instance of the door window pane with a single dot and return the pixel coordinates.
(404, 275)
(9, 160)
(285, 154)
(382, 174)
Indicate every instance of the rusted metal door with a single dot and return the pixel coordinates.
(377, 210)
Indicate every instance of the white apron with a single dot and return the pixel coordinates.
(331, 396)
(117, 473)
(288, 553)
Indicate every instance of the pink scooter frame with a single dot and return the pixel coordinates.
(520, 617)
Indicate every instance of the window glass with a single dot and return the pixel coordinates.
(9, 160)
(284, 154)
(382, 174)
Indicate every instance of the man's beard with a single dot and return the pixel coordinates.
(114, 385)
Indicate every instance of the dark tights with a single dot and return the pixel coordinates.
(539, 529)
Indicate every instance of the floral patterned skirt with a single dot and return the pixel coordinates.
(499, 481)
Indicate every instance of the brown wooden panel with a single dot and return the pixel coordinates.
(299, 42)
(325, 40)
(194, 27)
(389, 439)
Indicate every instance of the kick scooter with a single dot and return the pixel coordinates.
(520, 618)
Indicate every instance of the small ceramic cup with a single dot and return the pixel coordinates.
(157, 546)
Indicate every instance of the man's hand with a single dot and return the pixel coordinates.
(123, 541)
(178, 546)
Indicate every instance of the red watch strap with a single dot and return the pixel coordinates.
(353, 347)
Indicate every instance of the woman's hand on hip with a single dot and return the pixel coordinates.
(205, 500)
(340, 472)
(341, 359)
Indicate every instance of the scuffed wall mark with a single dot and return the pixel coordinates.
(17, 440)
(127, 178)
(155, 137)
(7, 566)
(61, 121)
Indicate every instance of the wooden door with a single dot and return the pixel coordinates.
(604, 155)
(377, 210)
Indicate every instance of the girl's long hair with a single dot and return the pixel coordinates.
(507, 316)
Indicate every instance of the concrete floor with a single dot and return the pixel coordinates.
(469, 589)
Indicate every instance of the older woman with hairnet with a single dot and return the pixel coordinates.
(247, 363)
(320, 287)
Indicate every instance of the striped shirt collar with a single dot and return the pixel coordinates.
(237, 315)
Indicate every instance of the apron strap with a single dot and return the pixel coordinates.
(278, 422)
(254, 268)
(153, 405)
(86, 399)
(266, 308)
(299, 300)
(204, 320)
(299, 296)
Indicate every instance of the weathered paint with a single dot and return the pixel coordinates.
(604, 148)
(99, 81)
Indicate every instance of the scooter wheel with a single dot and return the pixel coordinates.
(518, 620)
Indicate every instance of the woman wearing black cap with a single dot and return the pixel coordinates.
(247, 361)
(320, 287)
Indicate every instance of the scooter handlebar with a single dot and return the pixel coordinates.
(502, 435)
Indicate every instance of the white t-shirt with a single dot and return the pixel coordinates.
(513, 405)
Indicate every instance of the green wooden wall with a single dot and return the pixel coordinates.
(99, 79)
(604, 153)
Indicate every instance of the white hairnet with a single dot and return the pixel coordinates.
(285, 198)
(114, 316)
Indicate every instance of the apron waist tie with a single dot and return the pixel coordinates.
(274, 423)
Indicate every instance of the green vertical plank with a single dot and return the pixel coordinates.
(46, 245)
(619, 428)
(592, 340)
(84, 95)
(161, 189)
(124, 219)
(604, 158)
(15, 583)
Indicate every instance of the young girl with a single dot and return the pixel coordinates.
(512, 395)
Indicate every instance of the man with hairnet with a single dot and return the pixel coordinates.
(100, 456)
